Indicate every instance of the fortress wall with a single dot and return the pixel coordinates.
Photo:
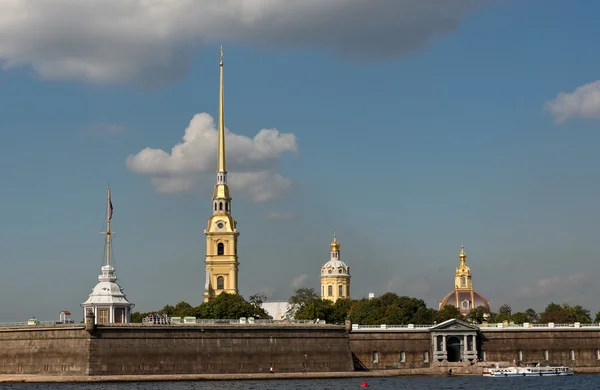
(53, 350)
(504, 345)
(120, 350)
(388, 346)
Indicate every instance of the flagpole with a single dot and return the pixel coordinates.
(108, 232)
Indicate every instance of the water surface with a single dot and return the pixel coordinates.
(410, 383)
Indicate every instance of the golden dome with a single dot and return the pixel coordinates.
(335, 245)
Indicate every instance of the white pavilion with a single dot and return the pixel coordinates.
(107, 300)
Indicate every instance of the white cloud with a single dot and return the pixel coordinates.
(583, 102)
(252, 161)
(152, 41)
(299, 281)
(279, 216)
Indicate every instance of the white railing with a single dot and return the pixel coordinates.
(507, 326)
(36, 324)
(243, 321)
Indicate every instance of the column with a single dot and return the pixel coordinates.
(111, 315)
(465, 348)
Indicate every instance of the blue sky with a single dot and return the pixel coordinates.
(406, 136)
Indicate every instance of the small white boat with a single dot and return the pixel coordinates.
(531, 369)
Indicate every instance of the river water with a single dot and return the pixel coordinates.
(413, 383)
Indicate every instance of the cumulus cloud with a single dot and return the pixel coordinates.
(252, 161)
(583, 102)
(152, 41)
(279, 216)
(299, 281)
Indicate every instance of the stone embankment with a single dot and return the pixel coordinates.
(208, 377)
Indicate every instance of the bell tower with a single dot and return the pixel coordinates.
(221, 233)
(335, 275)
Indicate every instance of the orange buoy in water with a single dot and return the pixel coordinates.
(364, 384)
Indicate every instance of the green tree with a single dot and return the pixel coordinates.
(321, 309)
(229, 306)
(301, 298)
(341, 310)
(581, 314)
(168, 310)
(368, 312)
(477, 314)
(504, 313)
(183, 309)
(519, 318)
(532, 316)
(448, 312)
(565, 314)
(597, 319)
(258, 299)
(136, 317)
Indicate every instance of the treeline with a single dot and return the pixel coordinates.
(392, 309)
(224, 306)
(389, 309)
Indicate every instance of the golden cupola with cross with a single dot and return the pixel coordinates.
(335, 275)
(462, 277)
(464, 297)
(221, 233)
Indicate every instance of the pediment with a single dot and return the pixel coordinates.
(455, 325)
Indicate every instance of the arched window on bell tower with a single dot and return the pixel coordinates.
(220, 283)
(220, 249)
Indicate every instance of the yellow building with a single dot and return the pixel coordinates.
(221, 234)
(463, 296)
(335, 275)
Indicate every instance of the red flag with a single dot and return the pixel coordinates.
(111, 209)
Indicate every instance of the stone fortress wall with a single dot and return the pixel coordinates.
(143, 349)
(53, 350)
(414, 347)
(135, 349)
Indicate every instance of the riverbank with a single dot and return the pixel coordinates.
(205, 377)
(254, 376)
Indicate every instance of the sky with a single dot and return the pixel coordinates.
(406, 126)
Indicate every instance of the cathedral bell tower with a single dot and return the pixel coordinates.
(221, 233)
(335, 275)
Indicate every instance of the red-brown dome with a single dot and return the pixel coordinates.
(465, 300)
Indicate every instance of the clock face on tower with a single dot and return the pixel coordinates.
(220, 224)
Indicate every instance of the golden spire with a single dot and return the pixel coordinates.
(221, 157)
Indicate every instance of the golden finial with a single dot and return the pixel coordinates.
(335, 245)
(462, 255)
(221, 58)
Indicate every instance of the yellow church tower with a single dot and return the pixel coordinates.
(335, 275)
(221, 234)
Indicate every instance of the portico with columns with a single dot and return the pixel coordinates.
(454, 341)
